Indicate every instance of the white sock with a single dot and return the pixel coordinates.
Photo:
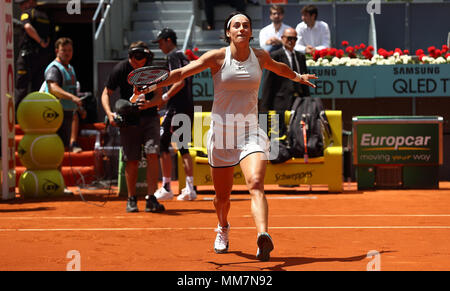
(190, 182)
(166, 183)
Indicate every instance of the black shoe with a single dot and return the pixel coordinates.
(265, 246)
(132, 204)
(152, 204)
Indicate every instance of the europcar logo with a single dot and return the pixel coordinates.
(402, 143)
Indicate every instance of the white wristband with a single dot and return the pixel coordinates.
(297, 77)
(165, 97)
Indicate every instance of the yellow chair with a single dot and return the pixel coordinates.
(326, 170)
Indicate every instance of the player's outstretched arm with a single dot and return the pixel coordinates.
(284, 70)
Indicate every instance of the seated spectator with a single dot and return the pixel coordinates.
(270, 35)
(312, 34)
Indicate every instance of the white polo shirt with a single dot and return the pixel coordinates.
(317, 36)
(268, 32)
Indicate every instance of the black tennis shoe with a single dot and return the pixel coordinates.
(152, 204)
(265, 246)
(132, 204)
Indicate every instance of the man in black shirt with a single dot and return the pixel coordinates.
(141, 132)
(179, 101)
(34, 54)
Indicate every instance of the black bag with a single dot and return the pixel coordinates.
(281, 146)
(309, 117)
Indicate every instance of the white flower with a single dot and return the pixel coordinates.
(310, 63)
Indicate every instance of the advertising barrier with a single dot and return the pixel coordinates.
(398, 151)
(420, 80)
(7, 119)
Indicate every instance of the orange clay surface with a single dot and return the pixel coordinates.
(311, 230)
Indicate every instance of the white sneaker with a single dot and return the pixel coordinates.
(221, 243)
(187, 195)
(162, 194)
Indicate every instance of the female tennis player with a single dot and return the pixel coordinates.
(237, 71)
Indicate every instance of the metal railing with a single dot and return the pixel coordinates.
(189, 30)
(96, 31)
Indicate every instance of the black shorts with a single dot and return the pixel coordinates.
(168, 130)
(140, 139)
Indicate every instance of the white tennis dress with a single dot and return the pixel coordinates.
(234, 131)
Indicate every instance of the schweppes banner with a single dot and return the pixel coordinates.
(391, 140)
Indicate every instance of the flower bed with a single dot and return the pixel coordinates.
(362, 55)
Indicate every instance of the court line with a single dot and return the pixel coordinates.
(273, 215)
(211, 228)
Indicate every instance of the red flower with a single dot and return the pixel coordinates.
(366, 53)
(431, 49)
(356, 47)
(340, 53)
(323, 53)
(362, 46)
(190, 55)
(406, 52)
(370, 48)
(447, 55)
(195, 49)
(420, 52)
(344, 43)
(316, 55)
(349, 50)
(444, 48)
(397, 50)
(332, 51)
(437, 53)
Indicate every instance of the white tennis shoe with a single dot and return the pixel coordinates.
(162, 194)
(187, 195)
(221, 243)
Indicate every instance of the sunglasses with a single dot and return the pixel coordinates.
(138, 55)
(291, 38)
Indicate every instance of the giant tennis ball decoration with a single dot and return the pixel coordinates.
(40, 113)
(41, 152)
(41, 183)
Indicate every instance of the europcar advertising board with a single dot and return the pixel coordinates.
(411, 140)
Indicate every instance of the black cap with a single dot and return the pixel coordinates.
(164, 34)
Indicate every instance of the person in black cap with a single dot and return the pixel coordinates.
(140, 129)
(179, 101)
(34, 53)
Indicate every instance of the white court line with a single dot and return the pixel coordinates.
(268, 198)
(211, 228)
(273, 215)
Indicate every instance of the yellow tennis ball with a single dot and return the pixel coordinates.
(40, 113)
(41, 183)
(41, 152)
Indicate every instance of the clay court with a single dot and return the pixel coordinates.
(312, 230)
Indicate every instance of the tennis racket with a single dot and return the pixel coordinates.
(146, 77)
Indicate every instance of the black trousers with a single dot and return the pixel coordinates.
(30, 67)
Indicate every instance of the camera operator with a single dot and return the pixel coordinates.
(139, 125)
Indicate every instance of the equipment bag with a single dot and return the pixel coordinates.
(307, 126)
